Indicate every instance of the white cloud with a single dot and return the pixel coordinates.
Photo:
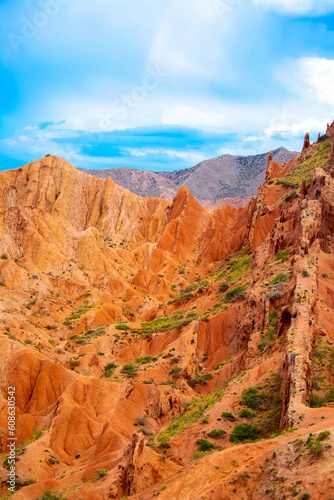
(315, 7)
(188, 116)
(191, 157)
(296, 129)
(318, 74)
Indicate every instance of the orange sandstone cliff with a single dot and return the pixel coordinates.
(161, 349)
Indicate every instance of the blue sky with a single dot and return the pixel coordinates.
(162, 85)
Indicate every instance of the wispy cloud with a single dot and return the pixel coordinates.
(310, 7)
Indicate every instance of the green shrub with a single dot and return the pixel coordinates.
(176, 371)
(200, 379)
(236, 293)
(145, 360)
(216, 433)
(229, 416)
(49, 495)
(74, 363)
(280, 278)
(273, 318)
(330, 395)
(316, 401)
(245, 432)
(252, 398)
(246, 414)
(223, 287)
(171, 384)
(101, 473)
(305, 273)
(130, 370)
(205, 445)
(109, 369)
(323, 435)
(4, 256)
(282, 255)
(122, 327)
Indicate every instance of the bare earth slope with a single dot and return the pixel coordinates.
(210, 182)
(159, 348)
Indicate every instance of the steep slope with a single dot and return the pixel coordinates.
(219, 180)
(144, 339)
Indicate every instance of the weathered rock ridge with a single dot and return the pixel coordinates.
(144, 337)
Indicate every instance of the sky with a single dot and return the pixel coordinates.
(162, 85)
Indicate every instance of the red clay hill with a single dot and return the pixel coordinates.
(160, 349)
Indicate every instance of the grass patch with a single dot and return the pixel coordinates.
(205, 445)
(228, 416)
(130, 370)
(199, 379)
(245, 432)
(246, 413)
(216, 433)
(79, 312)
(191, 415)
(236, 293)
(87, 337)
(283, 255)
(122, 327)
(265, 401)
(109, 369)
(166, 323)
(280, 278)
(319, 157)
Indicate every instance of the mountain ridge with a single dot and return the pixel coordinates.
(212, 182)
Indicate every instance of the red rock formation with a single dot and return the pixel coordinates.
(117, 311)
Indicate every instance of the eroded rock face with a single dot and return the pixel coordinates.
(130, 327)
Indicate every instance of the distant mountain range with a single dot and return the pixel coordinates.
(227, 179)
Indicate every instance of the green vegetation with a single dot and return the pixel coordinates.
(49, 495)
(79, 312)
(253, 398)
(273, 318)
(74, 363)
(236, 293)
(205, 445)
(223, 287)
(176, 371)
(145, 360)
(245, 432)
(199, 379)
(216, 433)
(319, 157)
(280, 278)
(265, 401)
(315, 446)
(87, 337)
(305, 273)
(4, 256)
(322, 392)
(170, 383)
(166, 323)
(31, 303)
(101, 473)
(286, 197)
(190, 416)
(246, 413)
(229, 416)
(283, 255)
(130, 370)
(122, 327)
(109, 369)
